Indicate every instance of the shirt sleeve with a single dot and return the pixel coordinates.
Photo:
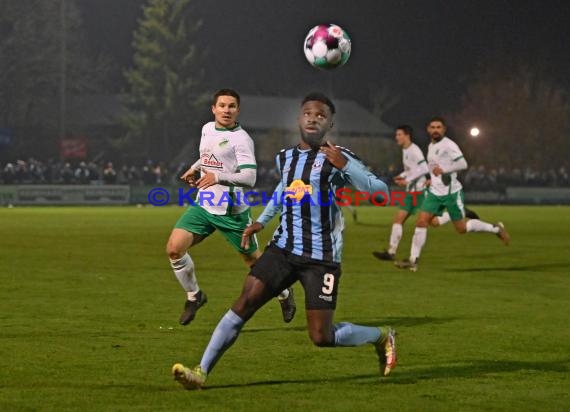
(273, 206)
(245, 154)
(247, 167)
(456, 156)
(457, 165)
(363, 179)
(420, 166)
(455, 152)
(196, 164)
(243, 178)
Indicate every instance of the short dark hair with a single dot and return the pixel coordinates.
(406, 129)
(319, 97)
(225, 92)
(436, 119)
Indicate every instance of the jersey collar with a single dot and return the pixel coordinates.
(225, 129)
(302, 150)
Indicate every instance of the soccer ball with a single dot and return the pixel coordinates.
(327, 46)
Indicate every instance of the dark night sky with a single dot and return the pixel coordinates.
(424, 51)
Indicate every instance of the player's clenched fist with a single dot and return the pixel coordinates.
(437, 170)
(400, 181)
(334, 155)
(191, 176)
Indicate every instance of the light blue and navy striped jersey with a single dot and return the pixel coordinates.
(312, 225)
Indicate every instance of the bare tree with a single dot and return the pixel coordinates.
(524, 119)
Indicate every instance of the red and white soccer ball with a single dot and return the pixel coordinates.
(327, 46)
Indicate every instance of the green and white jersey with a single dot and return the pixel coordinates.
(443, 154)
(415, 168)
(225, 151)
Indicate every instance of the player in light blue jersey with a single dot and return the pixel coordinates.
(307, 246)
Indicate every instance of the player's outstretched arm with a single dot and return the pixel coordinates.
(363, 179)
(355, 171)
(273, 206)
(271, 210)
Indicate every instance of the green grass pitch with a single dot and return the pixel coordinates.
(89, 309)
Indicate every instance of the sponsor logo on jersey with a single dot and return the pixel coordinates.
(298, 189)
(211, 161)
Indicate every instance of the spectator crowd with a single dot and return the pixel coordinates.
(33, 171)
(483, 179)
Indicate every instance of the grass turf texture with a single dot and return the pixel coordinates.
(89, 311)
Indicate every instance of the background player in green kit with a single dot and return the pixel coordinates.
(414, 178)
(227, 164)
(445, 192)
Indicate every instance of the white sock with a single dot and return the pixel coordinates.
(184, 271)
(443, 219)
(283, 295)
(395, 238)
(476, 225)
(418, 242)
